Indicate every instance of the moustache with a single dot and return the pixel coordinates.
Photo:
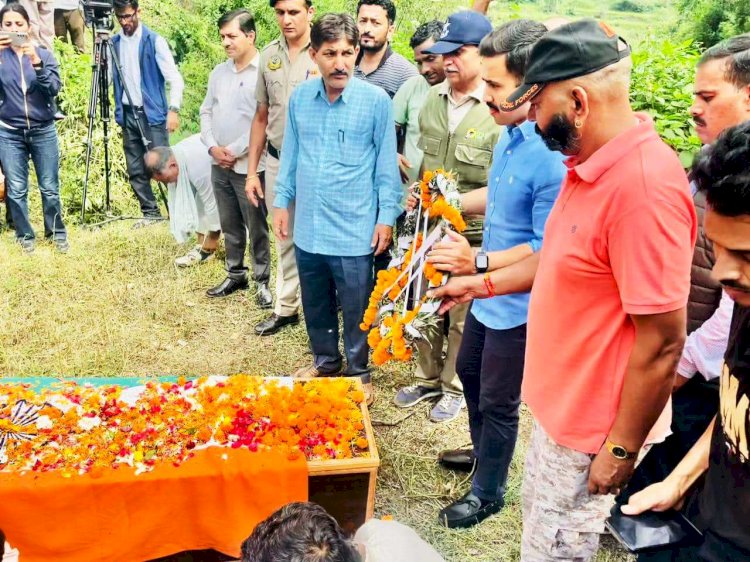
(728, 283)
(493, 107)
(699, 121)
(337, 73)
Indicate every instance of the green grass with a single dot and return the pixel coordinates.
(116, 306)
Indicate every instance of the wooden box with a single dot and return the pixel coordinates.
(346, 487)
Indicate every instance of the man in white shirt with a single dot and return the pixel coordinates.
(69, 20)
(186, 169)
(147, 66)
(226, 115)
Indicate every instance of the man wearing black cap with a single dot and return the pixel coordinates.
(606, 319)
(457, 133)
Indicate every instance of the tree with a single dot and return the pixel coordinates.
(714, 20)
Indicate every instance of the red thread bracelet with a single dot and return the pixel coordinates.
(488, 284)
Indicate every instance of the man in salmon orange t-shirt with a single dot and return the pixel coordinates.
(607, 317)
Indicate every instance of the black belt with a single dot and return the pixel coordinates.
(128, 107)
(273, 151)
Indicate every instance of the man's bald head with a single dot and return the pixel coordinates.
(161, 164)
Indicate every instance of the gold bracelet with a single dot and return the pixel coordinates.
(251, 176)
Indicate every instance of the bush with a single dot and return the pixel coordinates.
(663, 74)
(628, 6)
(711, 21)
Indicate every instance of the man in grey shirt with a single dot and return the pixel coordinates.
(226, 115)
(378, 64)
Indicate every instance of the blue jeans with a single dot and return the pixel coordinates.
(16, 145)
(321, 278)
(490, 366)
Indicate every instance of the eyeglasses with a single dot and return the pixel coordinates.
(125, 17)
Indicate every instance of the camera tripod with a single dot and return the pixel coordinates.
(104, 52)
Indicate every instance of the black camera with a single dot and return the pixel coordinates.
(98, 13)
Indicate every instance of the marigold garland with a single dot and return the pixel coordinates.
(388, 336)
(83, 429)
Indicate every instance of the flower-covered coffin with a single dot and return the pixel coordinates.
(84, 429)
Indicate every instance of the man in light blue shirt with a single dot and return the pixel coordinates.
(339, 166)
(524, 181)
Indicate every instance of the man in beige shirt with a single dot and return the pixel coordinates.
(457, 133)
(284, 63)
(42, 20)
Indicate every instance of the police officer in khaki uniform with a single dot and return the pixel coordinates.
(284, 63)
(457, 133)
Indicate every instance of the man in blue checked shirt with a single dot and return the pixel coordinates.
(524, 181)
(339, 166)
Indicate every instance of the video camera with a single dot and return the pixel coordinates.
(98, 14)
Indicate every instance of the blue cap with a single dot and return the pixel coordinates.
(466, 27)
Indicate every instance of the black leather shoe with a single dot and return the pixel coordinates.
(264, 297)
(274, 323)
(468, 511)
(227, 287)
(457, 459)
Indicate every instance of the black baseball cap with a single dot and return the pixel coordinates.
(466, 27)
(571, 50)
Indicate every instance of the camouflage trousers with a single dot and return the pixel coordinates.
(561, 520)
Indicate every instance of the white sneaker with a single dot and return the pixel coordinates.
(193, 257)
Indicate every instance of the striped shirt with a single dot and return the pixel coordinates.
(339, 166)
(390, 74)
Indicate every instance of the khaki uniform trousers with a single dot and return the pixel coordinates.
(432, 370)
(287, 277)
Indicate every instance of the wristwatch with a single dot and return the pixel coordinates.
(618, 451)
(174, 109)
(481, 262)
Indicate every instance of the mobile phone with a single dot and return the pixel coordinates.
(651, 530)
(16, 39)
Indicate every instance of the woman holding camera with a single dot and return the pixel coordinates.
(29, 82)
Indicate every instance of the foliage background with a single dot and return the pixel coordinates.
(664, 63)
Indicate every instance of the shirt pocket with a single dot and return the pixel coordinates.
(353, 145)
(429, 145)
(474, 162)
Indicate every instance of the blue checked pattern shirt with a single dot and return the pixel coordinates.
(339, 166)
(524, 181)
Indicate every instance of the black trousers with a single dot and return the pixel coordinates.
(238, 218)
(134, 153)
(490, 365)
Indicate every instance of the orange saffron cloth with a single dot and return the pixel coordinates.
(212, 501)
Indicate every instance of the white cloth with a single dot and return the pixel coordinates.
(705, 347)
(131, 68)
(228, 109)
(66, 4)
(11, 554)
(390, 541)
(192, 206)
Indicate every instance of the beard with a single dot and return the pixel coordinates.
(375, 47)
(560, 135)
